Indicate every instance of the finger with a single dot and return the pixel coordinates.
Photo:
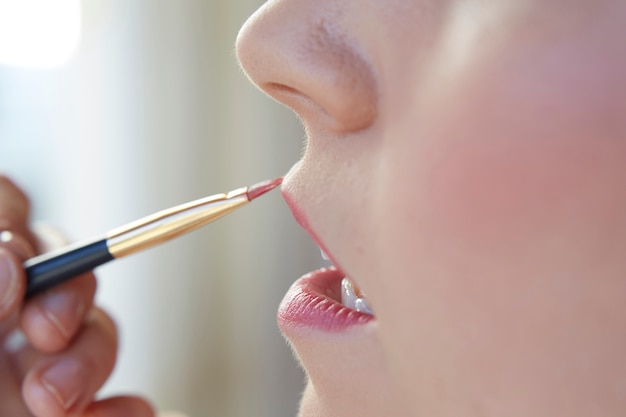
(66, 383)
(14, 209)
(51, 319)
(10, 393)
(11, 283)
(120, 406)
(17, 244)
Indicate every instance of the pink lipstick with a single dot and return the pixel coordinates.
(315, 301)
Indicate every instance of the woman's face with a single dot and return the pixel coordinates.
(466, 169)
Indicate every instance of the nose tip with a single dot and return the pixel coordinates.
(294, 54)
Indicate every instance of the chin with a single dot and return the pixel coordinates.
(312, 405)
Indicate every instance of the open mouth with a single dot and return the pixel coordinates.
(324, 299)
(350, 294)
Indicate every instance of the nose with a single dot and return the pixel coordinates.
(301, 54)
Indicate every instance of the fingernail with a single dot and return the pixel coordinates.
(6, 236)
(65, 380)
(64, 309)
(8, 281)
(17, 244)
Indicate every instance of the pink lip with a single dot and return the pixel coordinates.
(314, 300)
(300, 217)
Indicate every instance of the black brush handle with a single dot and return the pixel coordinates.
(48, 270)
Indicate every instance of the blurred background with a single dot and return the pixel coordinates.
(114, 109)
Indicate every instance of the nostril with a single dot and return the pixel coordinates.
(330, 87)
(340, 112)
(300, 59)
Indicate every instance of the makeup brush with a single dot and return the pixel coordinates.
(50, 269)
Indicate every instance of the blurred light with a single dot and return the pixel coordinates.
(38, 33)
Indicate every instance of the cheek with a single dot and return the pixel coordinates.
(504, 238)
(503, 193)
(527, 235)
(486, 184)
(528, 163)
(527, 142)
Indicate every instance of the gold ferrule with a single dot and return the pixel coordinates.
(168, 224)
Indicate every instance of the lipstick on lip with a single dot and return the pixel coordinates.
(314, 301)
(50, 269)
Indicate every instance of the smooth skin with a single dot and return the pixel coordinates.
(466, 167)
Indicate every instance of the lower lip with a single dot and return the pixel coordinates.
(312, 302)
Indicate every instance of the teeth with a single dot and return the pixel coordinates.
(352, 298)
(348, 295)
(362, 306)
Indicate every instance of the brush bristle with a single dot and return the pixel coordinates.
(261, 188)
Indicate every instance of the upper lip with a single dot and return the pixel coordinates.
(308, 300)
(300, 217)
